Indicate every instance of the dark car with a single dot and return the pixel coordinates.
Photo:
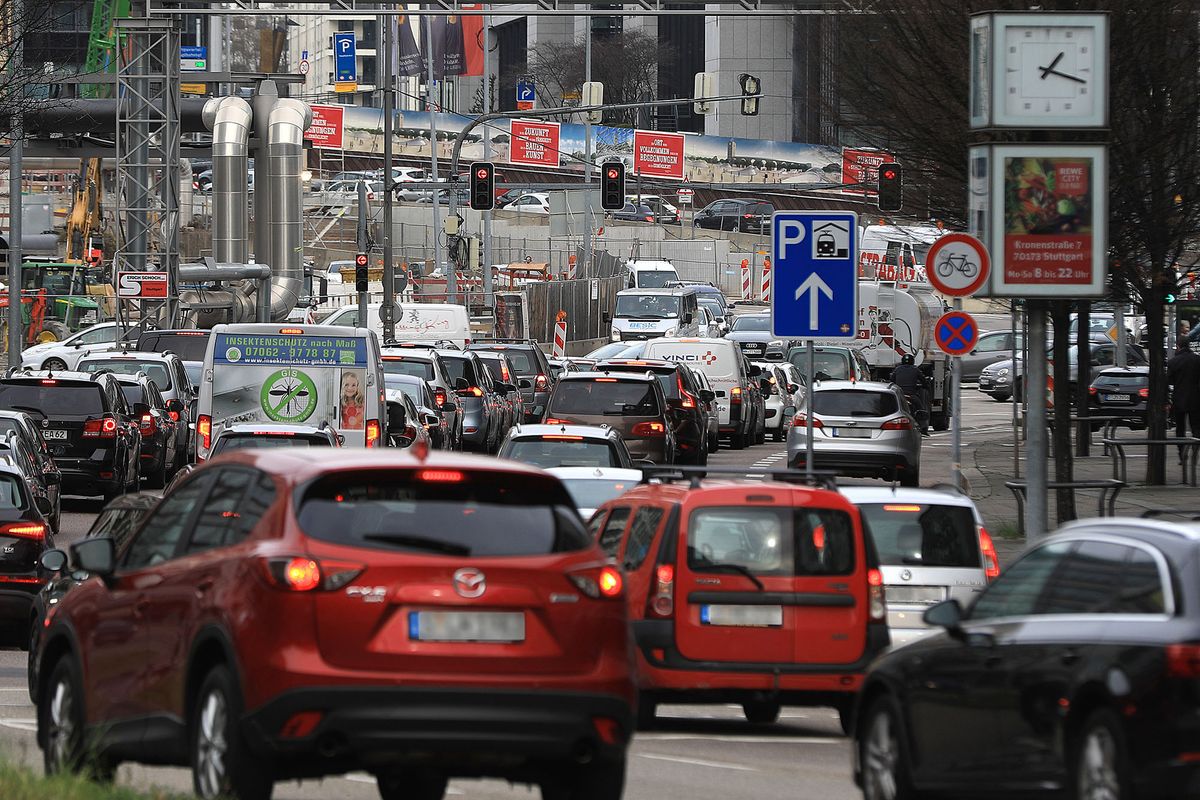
(482, 416)
(87, 424)
(684, 397)
(421, 396)
(17, 452)
(745, 215)
(423, 363)
(1073, 674)
(534, 377)
(273, 435)
(632, 404)
(23, 425)
(504, 377)
(644, 213)
(24, 535)
(161, 447)
(1123, 392)
(279, 617)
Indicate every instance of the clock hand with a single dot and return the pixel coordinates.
(1047, 70)
(1068, 77)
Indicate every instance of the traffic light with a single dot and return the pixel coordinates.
(891, 187)
(612, 186)
(751, 85)
(483, 186)
(360, 272)
(1170, 286)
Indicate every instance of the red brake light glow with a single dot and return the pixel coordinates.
(49, 383)
(610, 582)
(800, 421)
(294, 331)
(1143, 392)
(1093, 390)
(373, 433)
(302, 574)
(898, 424)
(102, 428)
(24, 530)
(561, 438)
(875, 600)
(439, 397)
(649, 429)
(991, 560)
(204, 430)
(904, 508)
(440, 476)
(1183, 660)
(556, 421)
(874, 577)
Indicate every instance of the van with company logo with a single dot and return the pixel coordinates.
(642, 314)
(727, 371)
(650, 274)
(414, 322)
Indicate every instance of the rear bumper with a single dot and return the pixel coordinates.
(464, 731)
(82, 476)
(660, 451)
(861, 465)
(16, 603)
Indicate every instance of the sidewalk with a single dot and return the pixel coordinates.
(988, 465)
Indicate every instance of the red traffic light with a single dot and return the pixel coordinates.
(613, 174)
(482, 173)
(889, 174)
(360, 260)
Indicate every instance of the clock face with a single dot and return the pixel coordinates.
(1049, 70)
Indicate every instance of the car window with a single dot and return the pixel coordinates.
(855, 403)
(595, 523)
(97, 335)
(548, 452)
(922, 535)
(1102, 578)
(460, 368)
(610, 537)
(641, 535)
(12, 495)
(118, 524)
(418, 368)
(53, 398)
(605, 397)
(154, 370)
(159, 537)
(992, 344)
(771, 541)
(231, 512)
(1018, 590)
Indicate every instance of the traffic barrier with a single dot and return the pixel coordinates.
(559, 348)
(570, 268)
(766, 280)
(746, 279)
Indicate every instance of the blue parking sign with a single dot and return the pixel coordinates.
(815, 261)
(345, 51)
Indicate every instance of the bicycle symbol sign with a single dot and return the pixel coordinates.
(957, 265)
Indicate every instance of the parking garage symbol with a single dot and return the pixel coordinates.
(831, 240)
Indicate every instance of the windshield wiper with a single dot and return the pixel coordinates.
(711, 565)
(419, 543)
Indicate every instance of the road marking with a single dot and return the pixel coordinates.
(29, 725)
(362, 777)
(698, 762)
(687, 737)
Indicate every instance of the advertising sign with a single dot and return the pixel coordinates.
(858, 167)
(327, 127)
(289, 349)
(658, 155)
(1048, 220)
(345, 63)
(141, 285)
(534, 142)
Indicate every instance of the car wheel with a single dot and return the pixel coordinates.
(1100, 764)
(882, 755)
(412, 785)
(647, 713)
(60, 720)
(158, 478)
(761, 712)
(222, 765)
(598, 780)
(1000, 398)
(780, 434)
(737, 441)
(54, 364)
(760, 435)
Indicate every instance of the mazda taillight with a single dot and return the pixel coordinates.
(991, 560)
(304, 574)
(102, 428)
(373, 433)
(204, 431)
(596, 583)
(898, 424)
(875, 600)
(662, 600)
(801, 421)
(645, 429)
(24, 530)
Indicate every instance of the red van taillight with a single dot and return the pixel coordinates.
(649, 429)
(596, 583)
(204, 431)
(373, 433)
(662, 601)
(875, 600)
(102, 428)
(304, 574)
(735, 395)
(991, 560)
(24, 530)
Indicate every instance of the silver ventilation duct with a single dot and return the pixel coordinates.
(229, 119)
(284, 219)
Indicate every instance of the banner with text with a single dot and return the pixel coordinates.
(658, 155)
(327, 129)
(859, 167)
(534, 142)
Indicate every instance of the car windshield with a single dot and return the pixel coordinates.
(655, 278)
(713, 306)
(459, 513)
(565, 451)
(648, 306)
(266, 441)
(771, 541)
(53, 398)
(922, 534)
(827, 365)
(154, 370)
(594, 492)
(522, 360)
(418, 368)
(194, 370)
(606, 397)
(751, 322)
(855, 403)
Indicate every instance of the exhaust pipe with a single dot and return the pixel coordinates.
(284, 219)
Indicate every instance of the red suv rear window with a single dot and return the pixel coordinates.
(771, 541)
(443, 511)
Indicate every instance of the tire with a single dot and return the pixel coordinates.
(737, 441)
(54, 364)
(415, 784)
(53, 331)
(61, 722)
(883, 753)
(647, 713)
(701, 458)
(1000, 398)
(1099, 759)
(213, 724)
(760, 434)
(761, 712)
(158, 478)
(598, 780)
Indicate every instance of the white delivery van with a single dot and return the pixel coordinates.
(648, 313)
(414, 321)
(292, 374)
(649, 274)
(723, 364)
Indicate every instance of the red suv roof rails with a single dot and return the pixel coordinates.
(824, 479)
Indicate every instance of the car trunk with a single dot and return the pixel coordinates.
(21, 535)
(73, 421)
(1120, 391)
(852, 415)
(809, 604)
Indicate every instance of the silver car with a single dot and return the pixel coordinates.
(932, 547)
(860, 429)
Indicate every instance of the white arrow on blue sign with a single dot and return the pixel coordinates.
(814, 256)
(525, 91)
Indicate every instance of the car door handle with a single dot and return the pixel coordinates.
(139, 607)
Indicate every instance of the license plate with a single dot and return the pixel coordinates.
(742, 616)
(985, 383)
(54, 434)
(851, 433)
(915, 594)
(1117, 398)
(467, 626)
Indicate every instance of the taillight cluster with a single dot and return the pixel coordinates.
(735, 395)
(557, 421)
(102, 428)
(801, 421)
(898, 424)
(686, 400)
(374, 433)
(204, 431)
(304, 574)
(470, 391)
(439, 397)
(991, 560)
(599, 582)
(662, 599)
(148, 425)
(876, 604)
(540, 383)
(24, 530)
(1183, 660)
(649, 430)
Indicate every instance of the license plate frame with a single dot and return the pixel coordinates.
(467, 627)
(737, 616)
(915, 595)
(1116, 398)
(54, 435)
(851, 433)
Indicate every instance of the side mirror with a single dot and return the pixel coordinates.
(43, 506)
(525, 383)
(449, 406)
(946, 614)
(432, 419)
(765, 385)
(707, 395)
(505, 388)
(97, 556)
(461, 383)
(177, 406)
(643, 462)
(755, 370)
(53, 560)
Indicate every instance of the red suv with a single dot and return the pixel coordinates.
(281, 616)
(762, 594)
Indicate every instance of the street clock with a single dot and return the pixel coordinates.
(1038, 70)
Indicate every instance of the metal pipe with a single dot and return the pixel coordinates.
(288, 120)
(433, 148)
(16, 327)
(1035, 390)
(585, 269)
(389, 266)
(489, 297)
(71, 115)
(229, 118)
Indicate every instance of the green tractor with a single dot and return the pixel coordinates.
(58, 299)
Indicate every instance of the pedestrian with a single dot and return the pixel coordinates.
(1183, 373)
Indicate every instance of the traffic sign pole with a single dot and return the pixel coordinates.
(955, 416)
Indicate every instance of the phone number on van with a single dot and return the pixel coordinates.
(242, 349)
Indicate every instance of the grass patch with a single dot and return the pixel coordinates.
(1007, 530)
(18, 783)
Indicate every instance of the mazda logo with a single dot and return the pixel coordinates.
(906, 575)
(469, 582)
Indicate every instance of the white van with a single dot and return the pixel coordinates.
(648, 313)
(414, 321)
(649, 274)
(723, 364)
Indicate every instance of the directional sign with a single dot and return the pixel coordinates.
(345, 63)
(956, 333)
(526, 95)
(957, 264)
(815, 258)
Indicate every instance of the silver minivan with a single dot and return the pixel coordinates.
(932, 546)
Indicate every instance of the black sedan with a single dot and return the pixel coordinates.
(1121, 391)
(644, 213)
(1077, 672)
(745, 215)
(160, 432)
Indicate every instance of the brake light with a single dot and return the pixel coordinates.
(474, 391)
(540, 383)
(991, 559)
(894, 507)
(373, 433)
(1092, 390)
(875, 600)
(204, 431)
(292, 330)
(662, 601)
(1183, 660)
(24, 530)
(606, 380)
(174, 415)
(801, 421)
(649, 429)
(304, 574)
(556, 421)
(439, 397)
(605, 582)
(1143, 392)
(49, 383)
(688, 401)
(747, 216)
(561, 438)
(899, 424)
(649, 219)
(103, 428)
(148, 425)
(735, 395)
(440, 476)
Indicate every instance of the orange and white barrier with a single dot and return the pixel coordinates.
(560, 336)
(766, 280)
(746, 279)
(570, 268)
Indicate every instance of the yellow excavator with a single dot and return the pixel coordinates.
(83, 222)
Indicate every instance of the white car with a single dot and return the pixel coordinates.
(785, 397)
(591, 487)
(341, 194)
(531, 203)
(65, 355)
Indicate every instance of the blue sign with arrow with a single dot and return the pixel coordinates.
(345, 51)
(525, 92)
(814, 255)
